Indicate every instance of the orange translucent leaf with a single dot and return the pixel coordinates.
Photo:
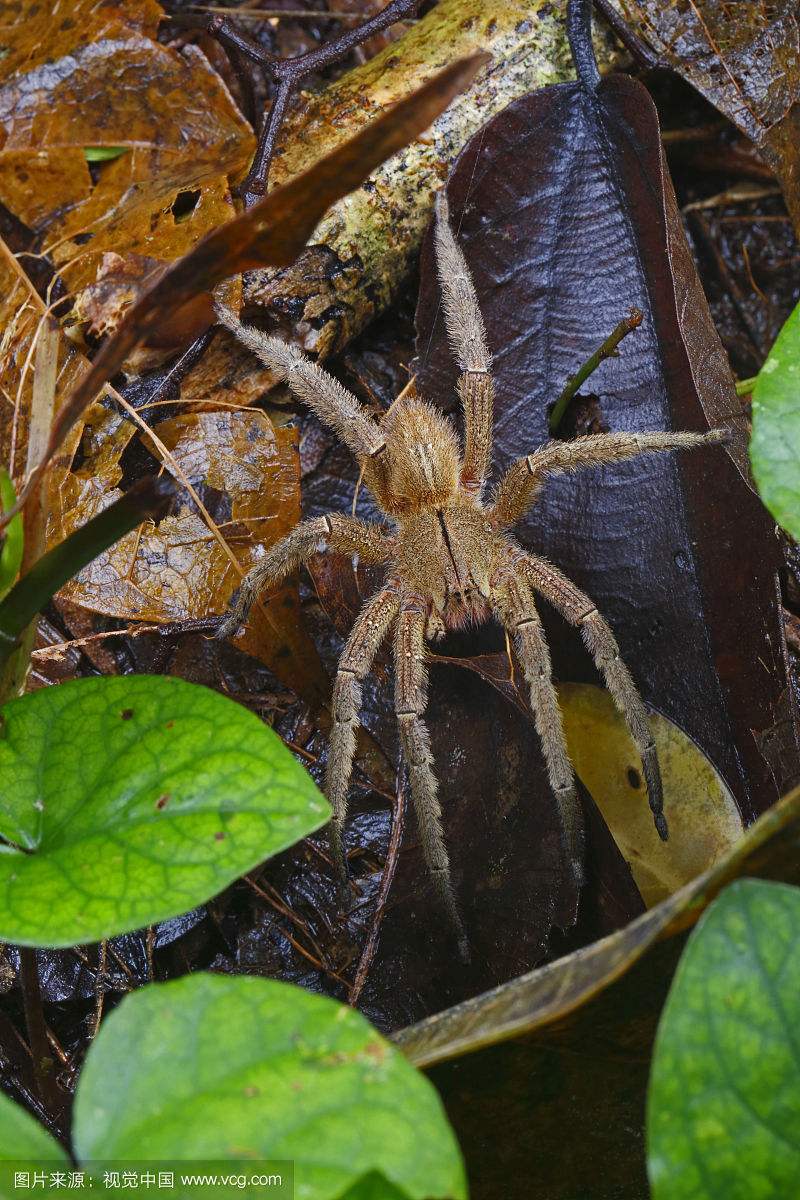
(247, 473)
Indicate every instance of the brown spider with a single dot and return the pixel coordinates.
(449, 561)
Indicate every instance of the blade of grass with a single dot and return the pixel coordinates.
(148, 498)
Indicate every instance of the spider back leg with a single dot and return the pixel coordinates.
(514, 605)
(411, 697)
(357, 658)
(580, 611)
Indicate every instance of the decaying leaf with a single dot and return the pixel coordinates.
(247, 473)
(94, 76)
(567, 218)
(566, 1049)
(704, 821)
(129, 581)
(22, 319)
(275, 230)
(745, 59)
(364, 247)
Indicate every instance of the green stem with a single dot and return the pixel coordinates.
(745, 386)
(11, 551)
(607, 350)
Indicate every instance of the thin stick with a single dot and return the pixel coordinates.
(387, 879)
(43, 1065)
(607, 350)
(99, 983)
(288, 74)
(180, 369)
(644, 54)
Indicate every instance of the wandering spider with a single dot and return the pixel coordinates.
(449, 561)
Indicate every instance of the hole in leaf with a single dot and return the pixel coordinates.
(184, 205)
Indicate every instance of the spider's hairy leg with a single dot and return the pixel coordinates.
(514, 605)
(524, 479)
(333, 404)
(343, 535)
(411, 697)
(357, 658)
(467, 336)
(580, 611)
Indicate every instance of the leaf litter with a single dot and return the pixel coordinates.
(244, 929)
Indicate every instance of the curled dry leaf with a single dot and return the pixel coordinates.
(745, 59)
(568, 218)
(22, 316)
(367, 243)
(568, 1047)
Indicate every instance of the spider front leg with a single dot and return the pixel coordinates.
(519, 488)
(343, 535)
(357, 658)
(580, 611)
(512, 601)
(467, 335)
(411, 698)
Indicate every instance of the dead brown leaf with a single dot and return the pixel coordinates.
(93, 75)
(745, 59)
(247, 473)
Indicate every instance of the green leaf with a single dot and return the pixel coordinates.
(22, 1137)
(130, 800)
(11, 552)
(724, 1098)
(775, 443)
(212, 1067)
(103, 153)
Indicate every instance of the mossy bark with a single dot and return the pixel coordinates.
(365, 245)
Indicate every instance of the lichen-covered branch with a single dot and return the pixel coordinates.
(361, 251)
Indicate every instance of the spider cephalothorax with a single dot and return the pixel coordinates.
(449, 561)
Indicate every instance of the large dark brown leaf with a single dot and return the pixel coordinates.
(568, 218)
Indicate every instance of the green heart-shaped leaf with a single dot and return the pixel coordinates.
(214, 1068)
(724, 1100)
(775, 444)
(22, 1137)
(125, 801)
